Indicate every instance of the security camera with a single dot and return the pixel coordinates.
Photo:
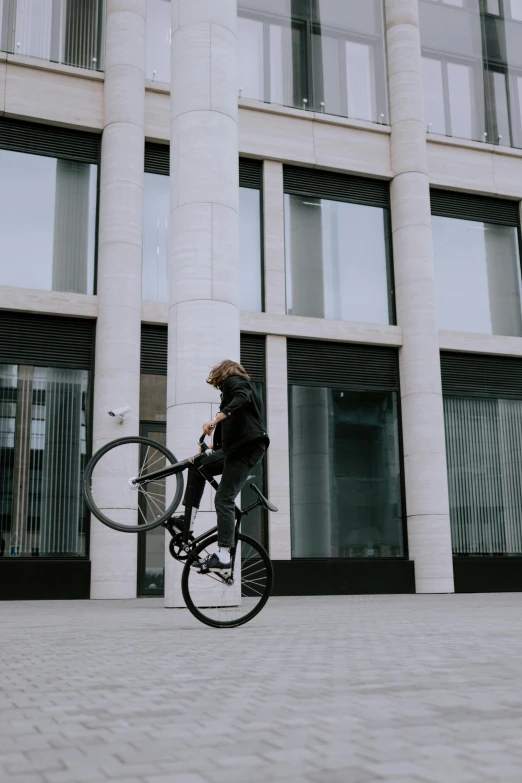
(120, 412)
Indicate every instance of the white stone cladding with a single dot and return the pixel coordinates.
(117, 378)
(203, 308)
(200, 118)
(425, 473)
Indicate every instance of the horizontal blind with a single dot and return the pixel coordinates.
(250, 173)
(253, 355)
(340, 187)
(478, 375)
(467, 206)
(157, 158)
(46, 340)
(154, 343)
(50, 140)
(342, 365)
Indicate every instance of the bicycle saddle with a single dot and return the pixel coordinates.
(264, 501)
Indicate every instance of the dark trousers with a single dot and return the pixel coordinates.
(234, 469)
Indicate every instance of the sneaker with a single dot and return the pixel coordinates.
(213, 563)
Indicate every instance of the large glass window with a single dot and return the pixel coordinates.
(47, 223)
(477, 276)
(156, 204)
(314, 54)
(345, 473)
(43, 455)
(337, 260)
(472, 68)
(484, 448)
(63, 31)
(157, 65)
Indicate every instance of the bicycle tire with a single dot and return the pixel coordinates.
(190, 573)
(101, 514)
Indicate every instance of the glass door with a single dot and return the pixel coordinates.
(151, 545)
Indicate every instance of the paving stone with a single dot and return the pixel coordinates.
(341, 689)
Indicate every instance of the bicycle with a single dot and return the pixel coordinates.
(123, 491)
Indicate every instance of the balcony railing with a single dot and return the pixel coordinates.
(61, 31)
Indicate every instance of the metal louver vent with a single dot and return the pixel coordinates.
(479, 375)
(250, 173)
(341, 365)
(46, 340)
(154, 343)
(253, 355)
(468, 206)
(50, 140)
(339, 187)
(157, 158)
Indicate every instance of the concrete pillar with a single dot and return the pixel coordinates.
(278, 454)
(204, 238)
(117, 379)
(427, 503)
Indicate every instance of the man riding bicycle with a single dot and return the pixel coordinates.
(239, 443)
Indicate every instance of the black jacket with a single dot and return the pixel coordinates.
(245, 419)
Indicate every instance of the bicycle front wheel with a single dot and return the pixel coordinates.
(224, 603)
(121, 506)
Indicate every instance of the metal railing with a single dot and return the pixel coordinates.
(62, 31)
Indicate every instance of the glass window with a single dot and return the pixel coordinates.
(484, 448)
(56, 30)
(43, 453)
(250, 266)
(251, 58)
(433, 83)
(156, 205)
(157, 65)
(477, 276)
(345, 473)
(451, 38)
(516, 9)
(460, 92)
(56, 201)
(336, 260)
(318, 55)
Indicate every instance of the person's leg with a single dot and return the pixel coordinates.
(213, 466)
(236, 469)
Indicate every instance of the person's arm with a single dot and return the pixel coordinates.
(239, 390)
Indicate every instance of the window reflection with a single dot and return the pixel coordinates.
(336, 260)
(43, 451)
(477, 276)
(156, 206)
(474, 92)
(314, 54)
(157, 64)
(57, 200)
(345, 473)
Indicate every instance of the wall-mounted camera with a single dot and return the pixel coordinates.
(120, 412)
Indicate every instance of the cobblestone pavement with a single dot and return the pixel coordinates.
(346, 689)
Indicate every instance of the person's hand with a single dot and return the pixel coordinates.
(209, 427)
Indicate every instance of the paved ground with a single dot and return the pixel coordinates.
(316, 690)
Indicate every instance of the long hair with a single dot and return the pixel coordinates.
(222, 370)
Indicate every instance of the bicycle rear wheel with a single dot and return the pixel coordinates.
(219, 604)
(123, 507)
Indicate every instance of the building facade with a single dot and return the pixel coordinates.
(299, 184)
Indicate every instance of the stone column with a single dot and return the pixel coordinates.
(278, 455)
(117, 379)
(204, 243)
(427, 503)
